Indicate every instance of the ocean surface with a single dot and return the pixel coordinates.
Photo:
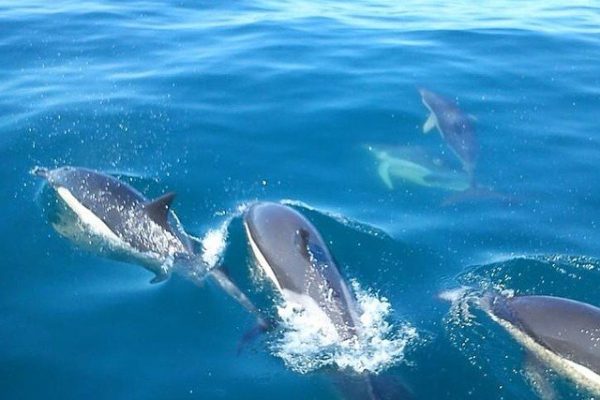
(228, 103)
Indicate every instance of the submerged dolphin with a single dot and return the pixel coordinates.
(563, 333)
(454, 126)
(111, 216)
(292, 253)
(413, 164)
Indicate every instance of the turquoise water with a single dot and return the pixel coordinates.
(228, 103)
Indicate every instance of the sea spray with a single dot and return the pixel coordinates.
(307, 342)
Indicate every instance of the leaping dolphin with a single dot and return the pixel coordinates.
(118, 219)
(292, 253)
(454, 126)
(563, 333)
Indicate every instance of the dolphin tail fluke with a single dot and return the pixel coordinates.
(430, 123)
(39, 171)
(384, 174)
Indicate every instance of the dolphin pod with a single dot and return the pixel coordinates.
(290, 250)
(562, 333)
(110, 214)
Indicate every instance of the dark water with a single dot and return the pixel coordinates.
(227, 103)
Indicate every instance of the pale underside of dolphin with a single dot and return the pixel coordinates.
(294, 256)
(105, 214)
(561, 333)
(454, 126)
(416, 165)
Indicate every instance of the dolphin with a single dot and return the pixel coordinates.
(109, 216)
(562, 333)
(454, 126)
(113, 217)
(414, 164)
(294, 256)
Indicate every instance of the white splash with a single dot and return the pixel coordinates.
(309, 342)
(454, 295)
(214, 241)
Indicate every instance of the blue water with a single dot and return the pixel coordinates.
(228, 103)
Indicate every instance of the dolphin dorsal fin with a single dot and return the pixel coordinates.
(158, 209)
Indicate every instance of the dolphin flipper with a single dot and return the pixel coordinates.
(430, 123)
(384, 174)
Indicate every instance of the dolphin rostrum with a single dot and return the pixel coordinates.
(454, 126)
(414, 164)
(116, 217)
(562, 333)
(294, 256)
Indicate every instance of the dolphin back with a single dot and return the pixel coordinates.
(566, 327)
(96, 191)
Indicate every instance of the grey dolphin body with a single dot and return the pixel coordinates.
(454, 126)
(564, 333)
(295, 257)
(114, 215)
